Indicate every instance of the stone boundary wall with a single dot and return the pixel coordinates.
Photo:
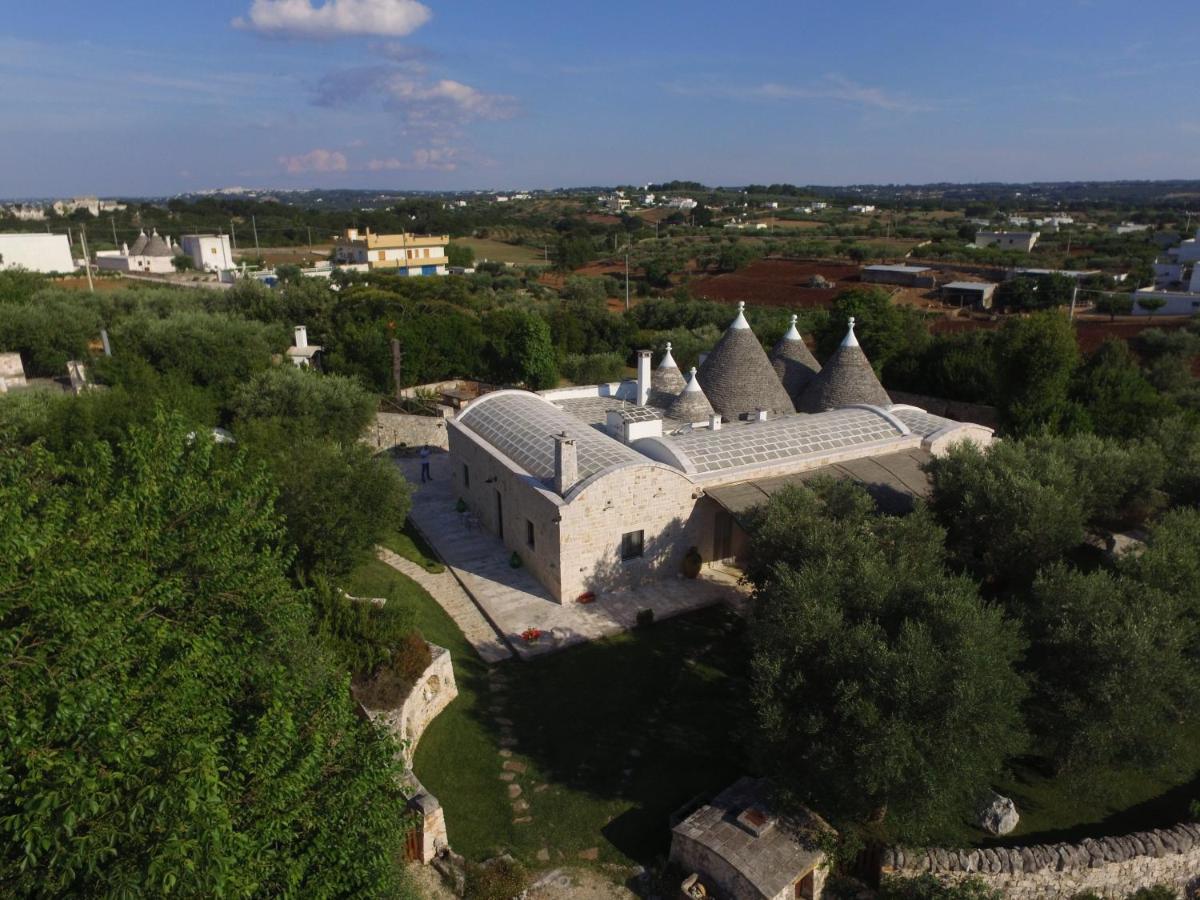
(400, 429)
(950, 409)
(1110, 866)
(430, 694)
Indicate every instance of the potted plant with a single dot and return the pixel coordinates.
(692, 561)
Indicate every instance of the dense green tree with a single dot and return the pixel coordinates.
(1035, 360)
(1151, 304)
(307, 402)
(172, 724)
(572, 252)
(1113, 674)
(460, 255)
(1118, 399)
(47, 332)
(519, 349)
(19, 285)
(1178, 437)
(879, 681)
(888, 333)
(1114, 305)
(337, 500)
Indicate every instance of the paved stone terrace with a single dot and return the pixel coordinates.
(512, 600)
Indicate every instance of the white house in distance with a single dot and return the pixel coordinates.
(1176, 281)
(149, 254)
(1008, 240)
(209, 252)
(862, 208)
(403, 254)
(606, 486)
(44, 253)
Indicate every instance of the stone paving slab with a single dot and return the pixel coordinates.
(513, 600)
(450, 596)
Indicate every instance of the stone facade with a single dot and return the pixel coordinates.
(1110, 867)
(400, 430)
(431, 693)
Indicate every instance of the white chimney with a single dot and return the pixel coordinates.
(714, 422)
(643, 377)
(566, 464)
(760, 416)
(301, 337)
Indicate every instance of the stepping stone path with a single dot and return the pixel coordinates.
(507, 776)
(511, 765)
(520, 806)
(590, 853)
(505, 753)
(543, 855)
(514, 791)
(509, 768)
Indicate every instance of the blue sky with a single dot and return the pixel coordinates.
(400, 94)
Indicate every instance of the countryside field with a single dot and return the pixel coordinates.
(499, 251)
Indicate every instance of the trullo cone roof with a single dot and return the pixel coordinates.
(738, 378)
(846, 379)
(691, 405)
(794, 363)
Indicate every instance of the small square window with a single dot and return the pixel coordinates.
(529, 533)
(632, 544)
(466, 475)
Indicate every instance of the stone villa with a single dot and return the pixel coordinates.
(611, 485)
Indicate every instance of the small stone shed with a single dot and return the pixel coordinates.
(739, 848)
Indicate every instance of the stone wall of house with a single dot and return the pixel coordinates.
(720, 879)
(650, 498)
(431, 693)
(950, 409)
(1111, 867)
(480, 478)
(401, 430)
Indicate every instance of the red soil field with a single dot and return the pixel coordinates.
(777, 282)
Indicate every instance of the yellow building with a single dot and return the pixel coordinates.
(406, 254)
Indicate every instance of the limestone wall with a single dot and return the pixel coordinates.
(950, 409)
(398, 429)
(1111, 867)
(431, 693)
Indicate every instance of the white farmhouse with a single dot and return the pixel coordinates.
(152, 255)
(44, 253)
(209, 252)
(1176, 282)
(1008, 240)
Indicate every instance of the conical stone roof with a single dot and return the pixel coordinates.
(691, 405)
(139, 245)
(846, 379)
(738, 378)
(794, 363)
(156, 246)
(666, 381)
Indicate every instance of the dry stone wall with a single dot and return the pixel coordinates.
(400, 430)
(430, 694)
(1110, 867)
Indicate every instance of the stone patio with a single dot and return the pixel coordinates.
(513, 600)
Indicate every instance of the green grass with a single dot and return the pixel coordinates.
(499, 251)
(1113, 802)
(409, 544)
(664, 693)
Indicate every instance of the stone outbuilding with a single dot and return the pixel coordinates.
(739, 847)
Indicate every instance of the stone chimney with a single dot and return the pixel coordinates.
(301, 337)
(566, 464)
(643, 377)
(714, 422)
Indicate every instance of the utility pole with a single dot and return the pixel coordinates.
(233, 234)
(1074, 294)
(397, 360)
(254, 225)
(113, 219)
(308, 228)
(87, 263)
(627, 278)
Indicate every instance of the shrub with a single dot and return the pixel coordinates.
(927, 887)
(498, 879)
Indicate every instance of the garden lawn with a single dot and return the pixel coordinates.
(612, 737)
(409, 544)
(499, 251)
(1111, 802)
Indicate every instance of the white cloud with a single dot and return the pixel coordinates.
(334, 18)
(438, 159)
(438, 106)
(318, 160)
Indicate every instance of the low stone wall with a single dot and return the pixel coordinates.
(401, 430)
(431, 693)
(1111, 867)
(950, 409)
